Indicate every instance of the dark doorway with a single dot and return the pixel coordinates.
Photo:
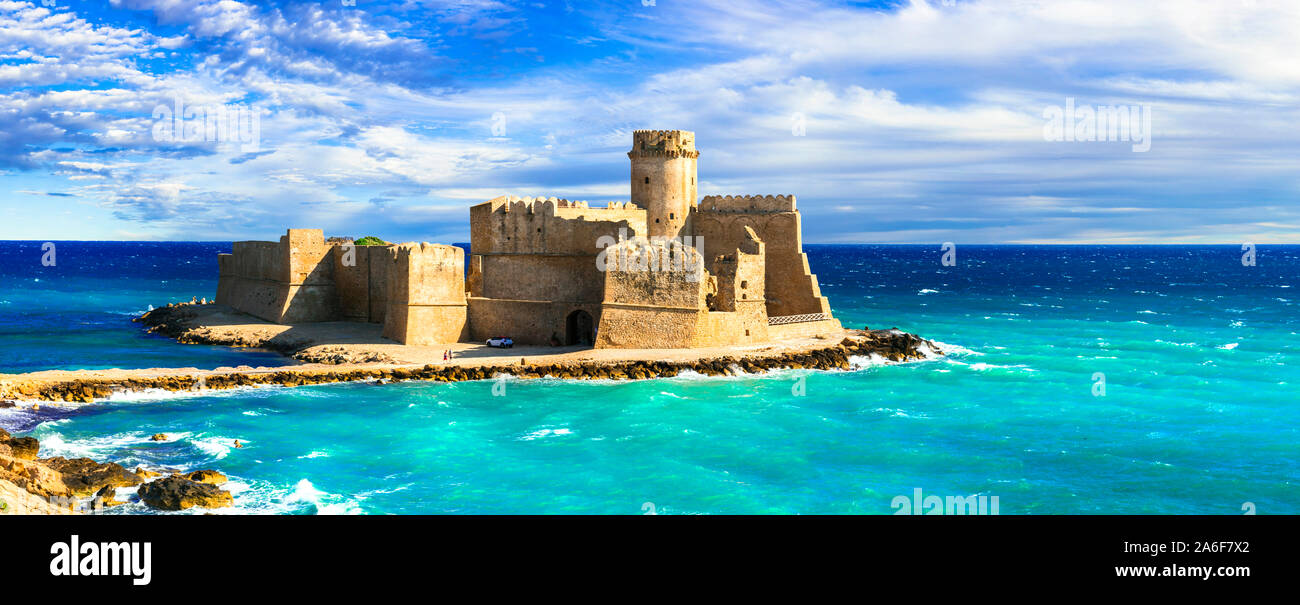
(579, 329)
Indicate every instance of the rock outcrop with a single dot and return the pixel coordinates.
(179, 493)
(105, 497)
(22, 448)
(31, 485)
(207, 476)
(84, 476)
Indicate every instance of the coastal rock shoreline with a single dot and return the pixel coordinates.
(60, 486)
(177, 322)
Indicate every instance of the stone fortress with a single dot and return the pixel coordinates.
(660, 271)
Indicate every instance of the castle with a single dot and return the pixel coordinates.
(659, 271)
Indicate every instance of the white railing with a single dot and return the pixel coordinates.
(795, 319)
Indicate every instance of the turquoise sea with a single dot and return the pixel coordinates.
(1197, 353)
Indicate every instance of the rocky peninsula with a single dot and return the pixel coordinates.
(351, 352)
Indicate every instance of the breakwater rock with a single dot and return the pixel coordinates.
(890, 345)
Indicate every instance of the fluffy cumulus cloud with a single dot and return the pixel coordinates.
(920, 121)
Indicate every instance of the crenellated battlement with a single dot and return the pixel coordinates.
(548, 205)
(748, 203)
(440, 255)
(663, 143)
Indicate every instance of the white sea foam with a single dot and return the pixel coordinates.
(540, 433)
(984, 367)
(99, 447)
(690, 375)
(927, 291)
(1230, 346)
(304, 493)
(151, 395)
(217, 447)
(390, 490)
(899, 413)
(954, 350)
(862, 362)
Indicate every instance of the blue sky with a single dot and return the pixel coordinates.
(893, 122)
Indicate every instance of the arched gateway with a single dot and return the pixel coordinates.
(579, 329)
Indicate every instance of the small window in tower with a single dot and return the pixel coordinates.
(746, 332)
(692, 180)
(744, 283)
(647, 180)
(656, 220)
(671, 216)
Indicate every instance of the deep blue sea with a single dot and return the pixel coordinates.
(1080, 379)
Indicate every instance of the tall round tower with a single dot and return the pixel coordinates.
(663, 178)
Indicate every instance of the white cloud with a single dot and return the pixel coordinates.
(923, 122)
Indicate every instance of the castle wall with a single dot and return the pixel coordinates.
(525, 321)
(252, 279)
(645, 327)
(362, 286)
(426, 294)
(303, 279)
(534, 263)
(791, 287)
(510, 225)
(539, 277)
(720, 328)
(378, 290)
(738, 313)
(291, 281)
(652, 308)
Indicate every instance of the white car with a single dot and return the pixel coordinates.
(500, 342)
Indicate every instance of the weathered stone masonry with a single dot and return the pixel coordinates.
(535, 270)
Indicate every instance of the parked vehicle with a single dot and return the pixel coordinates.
(500, 342)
